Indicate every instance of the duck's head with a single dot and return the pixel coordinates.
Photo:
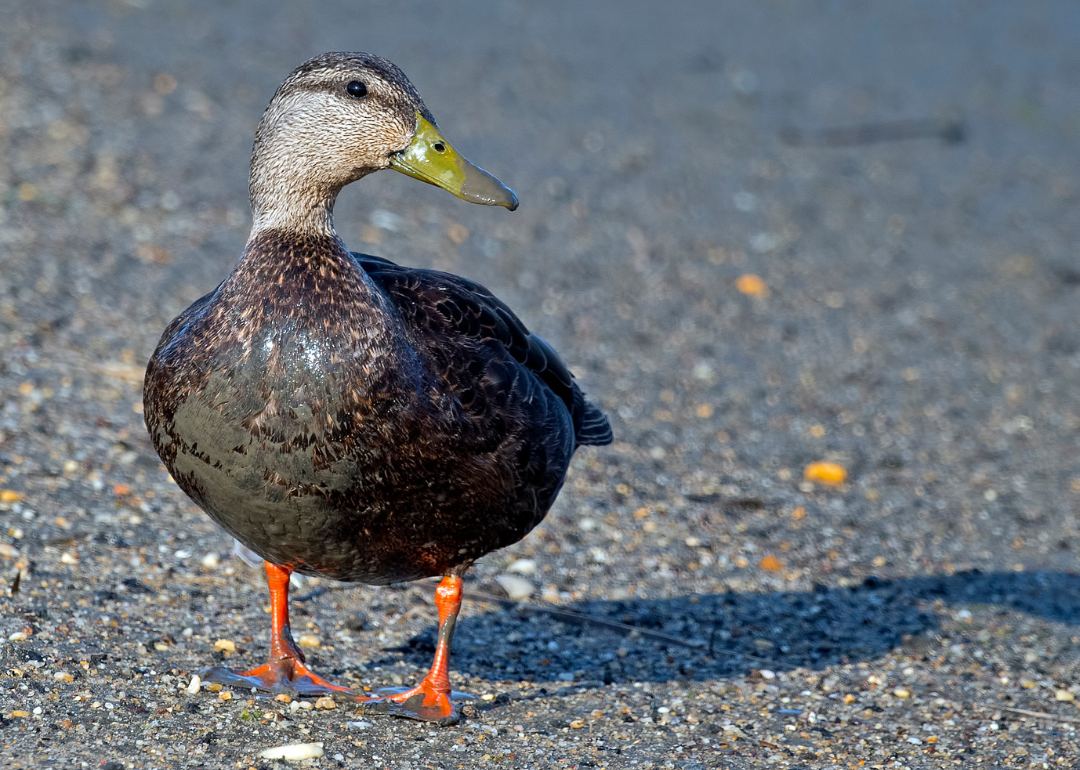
(341, 116)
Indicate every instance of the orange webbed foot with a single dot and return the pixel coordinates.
(425, 703)
(432, 699)
(283, 675)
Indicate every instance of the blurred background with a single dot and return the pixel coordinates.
(763, 235)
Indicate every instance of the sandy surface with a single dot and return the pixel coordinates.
(914, 323)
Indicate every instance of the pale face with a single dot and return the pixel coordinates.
(342, 120)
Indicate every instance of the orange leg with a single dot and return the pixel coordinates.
(285, 670)
(430, 700)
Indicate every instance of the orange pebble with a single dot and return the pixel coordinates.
(829, 474)
(121, 489)
(771, 564)
(9, 496)
(752, 285)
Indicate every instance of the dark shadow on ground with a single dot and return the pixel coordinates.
(739, 631)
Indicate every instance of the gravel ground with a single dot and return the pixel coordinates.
(746, 289)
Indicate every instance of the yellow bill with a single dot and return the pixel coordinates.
(431, 159)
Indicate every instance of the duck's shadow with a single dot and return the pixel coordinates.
(734, 633)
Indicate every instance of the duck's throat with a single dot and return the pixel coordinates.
(292, 205)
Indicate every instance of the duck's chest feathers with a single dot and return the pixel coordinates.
(294, 371)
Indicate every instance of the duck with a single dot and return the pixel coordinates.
(346, 417)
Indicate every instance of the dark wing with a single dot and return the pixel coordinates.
(445, 303)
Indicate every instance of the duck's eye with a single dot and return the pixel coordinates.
(356, 89)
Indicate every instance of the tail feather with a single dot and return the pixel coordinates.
(595, 429)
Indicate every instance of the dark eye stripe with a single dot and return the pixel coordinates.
(356, 89)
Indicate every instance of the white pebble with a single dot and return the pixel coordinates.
(194, 686)
(293, 752)
(210, 560)
(516, 588)
(767, 674)
(359, 725)
(523, 567)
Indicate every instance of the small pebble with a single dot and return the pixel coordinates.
(577, 724)
(309, 640)
(523, 567)
(18, 636)
(359, 725)
(829, 474)
(487, 696)
(210, 561)
(516, 588)
(767, 674)
(325, 703)
(227, 695)
(900, 692)
(194, 685)
(771, 564)
(752, 285)
(63, 676)
(293, 752)
(1064, 695)
(227, 645)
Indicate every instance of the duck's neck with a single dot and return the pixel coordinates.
(280, 200)
(293, 184)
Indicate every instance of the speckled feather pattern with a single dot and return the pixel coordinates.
(363, 432)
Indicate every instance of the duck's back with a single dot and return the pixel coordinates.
(347, 417)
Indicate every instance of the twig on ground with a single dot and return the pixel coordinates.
(578, 618)
(1041, 715)
(950, 131)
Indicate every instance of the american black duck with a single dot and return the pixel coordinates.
(346, 417)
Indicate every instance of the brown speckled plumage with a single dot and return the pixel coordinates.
(344, 416)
